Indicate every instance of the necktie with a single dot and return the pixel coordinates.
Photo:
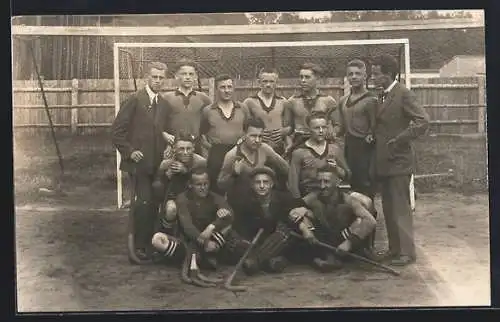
(153, 103)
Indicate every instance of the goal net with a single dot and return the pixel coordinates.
(243, 61)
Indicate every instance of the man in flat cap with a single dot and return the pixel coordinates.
(268, 208)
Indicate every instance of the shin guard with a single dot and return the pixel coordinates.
(273, 246)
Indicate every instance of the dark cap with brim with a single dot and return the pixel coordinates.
(263, 170)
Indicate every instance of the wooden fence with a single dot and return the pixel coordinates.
(455, 105)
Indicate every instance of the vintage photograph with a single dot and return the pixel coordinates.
(323, 159)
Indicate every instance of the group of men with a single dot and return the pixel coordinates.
(207, 176)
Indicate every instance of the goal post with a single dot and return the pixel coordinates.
(242, 60)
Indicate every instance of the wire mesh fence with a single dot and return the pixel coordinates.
(91, 57)
(246, 62)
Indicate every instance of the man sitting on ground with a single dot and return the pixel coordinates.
(341, 219)
(205, 219)
(267, 208)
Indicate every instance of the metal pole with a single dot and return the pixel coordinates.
(408, 85)
(116, 76)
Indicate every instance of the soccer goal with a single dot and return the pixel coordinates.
(243, 61)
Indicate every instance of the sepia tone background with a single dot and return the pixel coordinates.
(73, 245)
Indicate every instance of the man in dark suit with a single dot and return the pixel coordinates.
(399, 120)
(138, 131)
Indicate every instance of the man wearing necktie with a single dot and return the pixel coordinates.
(399, 120)
(137, 132)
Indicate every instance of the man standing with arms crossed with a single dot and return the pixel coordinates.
(221, 126)
(309, 101)
(272, 109)
(138, 134)
(187, 104)
(394, 162)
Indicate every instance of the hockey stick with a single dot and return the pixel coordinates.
(134, 78)
(132, 256)
(193, 272)
(190, 272)
(352, 255)
(228, 283)
(450, 173)
(49, 117)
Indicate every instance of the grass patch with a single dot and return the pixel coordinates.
(87, 161)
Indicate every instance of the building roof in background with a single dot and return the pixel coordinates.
(465, 57)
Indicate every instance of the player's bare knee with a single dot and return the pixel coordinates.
(365, 201)
(170, 210)
(160, 241)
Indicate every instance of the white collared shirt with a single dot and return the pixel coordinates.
(153, 97)
(388, 89)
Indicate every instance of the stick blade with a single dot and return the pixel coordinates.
(235, 288)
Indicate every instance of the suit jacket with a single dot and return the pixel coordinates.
(139, 127)
(393, 118)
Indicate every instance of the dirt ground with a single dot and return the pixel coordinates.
(71, 251)
(71, 259)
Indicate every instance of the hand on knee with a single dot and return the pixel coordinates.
(345, 246)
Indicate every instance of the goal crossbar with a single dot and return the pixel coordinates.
(119, 45)
(348, 42)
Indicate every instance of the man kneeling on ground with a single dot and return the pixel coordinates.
(341, 219)
(204, 222)
(172, 179)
